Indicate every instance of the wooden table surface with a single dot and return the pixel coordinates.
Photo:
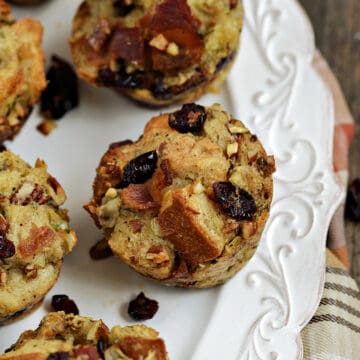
(337, 30)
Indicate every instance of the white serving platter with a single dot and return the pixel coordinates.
(274, 89)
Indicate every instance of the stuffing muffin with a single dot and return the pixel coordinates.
(22, 75)
(34, 234)
(63, 336)
(156, 51)
(185, 204)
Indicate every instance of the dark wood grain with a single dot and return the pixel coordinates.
(337, 30)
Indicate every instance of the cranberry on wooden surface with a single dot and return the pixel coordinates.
(63, 303)
(190, 118)
(352, 208)
(234, 201)
(61, 93)
(140, 169)
(142, 308)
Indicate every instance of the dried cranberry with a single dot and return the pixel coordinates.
(101, 250)
(190, 118)
(106, 77)
(352, 208)
(142, 308)
(61, 93)
(234, 201)
(101, 346)
(123, 7)
(128, 81)
(121, 79)
(63, 303)
(140, 169)
(224, 61)
(7, 247)
(59, 355)
(160, 92)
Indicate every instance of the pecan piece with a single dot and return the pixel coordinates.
(158, 254)
(137, 197)
(135, 225)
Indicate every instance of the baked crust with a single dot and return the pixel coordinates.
(22, 73)
(79, 336)
(201, 238)
(35, 234)
(156, 52)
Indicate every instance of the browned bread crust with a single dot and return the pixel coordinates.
(22, 75)
(77, 337)
(187, 209)
(156, 51)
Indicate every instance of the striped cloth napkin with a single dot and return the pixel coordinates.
(334, 330)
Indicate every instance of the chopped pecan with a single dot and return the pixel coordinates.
(4, 225)
(108, 175)
(28, 193)
(30, 271)
(230, 225)
(161, 179)
(56, 186)
(137, 197)
(181, 271)
(46, 126)
(158, 254)
(266, 166)
(135, 225)
(249, 229)
(159, 42)
(91, 207)
(39, 238)
(87, 352)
